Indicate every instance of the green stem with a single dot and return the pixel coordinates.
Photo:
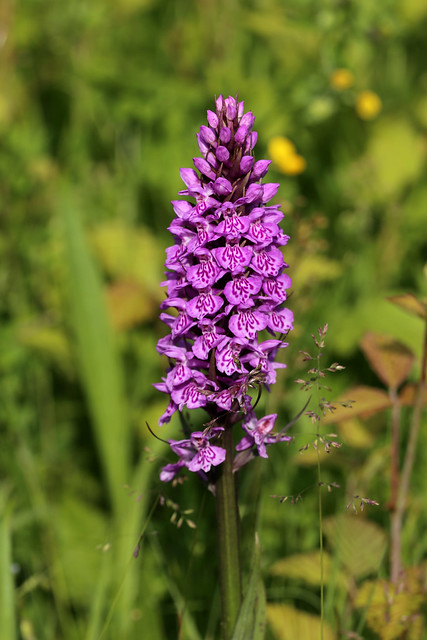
(228, 540)
(411, 449)
(322, 578)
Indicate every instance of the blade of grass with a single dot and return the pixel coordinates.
(7, 590)
(98, 602)
(96, 350)
(250, 624)
(128, 578)
(69, 624)
(188, 629)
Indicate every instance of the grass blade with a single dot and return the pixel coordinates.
(250, 624)
(96, 350)
(7, 598)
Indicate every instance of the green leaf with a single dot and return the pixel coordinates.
(354, 434)
(360, 544)
(306, 567)
(250, 623)
(288, 623)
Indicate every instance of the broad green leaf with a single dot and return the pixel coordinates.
(250, 623)
(390, 359)
(359, 543)
(288, 623)
(306, 567)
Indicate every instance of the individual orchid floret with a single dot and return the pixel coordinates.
(195, 453)
(259, 434)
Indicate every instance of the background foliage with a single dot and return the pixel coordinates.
(99, 108)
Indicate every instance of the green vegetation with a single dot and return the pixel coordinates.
(99, 108)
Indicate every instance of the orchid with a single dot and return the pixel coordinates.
(226, 284)
(226, 315)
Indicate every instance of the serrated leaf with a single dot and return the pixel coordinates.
(306, 567)
(390, 359)
(366, 402)
(359, 543)
(288, 623)
(408, 302)
(250, 624)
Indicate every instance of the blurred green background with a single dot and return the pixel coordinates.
(100, 102)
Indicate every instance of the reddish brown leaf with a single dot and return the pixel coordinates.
(410, 303)
(391, 360)
(409, 393)
(367, 401)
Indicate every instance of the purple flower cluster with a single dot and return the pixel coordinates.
(226, 282)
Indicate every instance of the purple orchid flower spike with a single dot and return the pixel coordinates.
(226, 286)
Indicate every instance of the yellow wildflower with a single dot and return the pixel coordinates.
(279, 147)
(283, 153)
(368, 105)
(341, 79)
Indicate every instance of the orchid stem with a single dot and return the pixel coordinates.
(228, 540)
